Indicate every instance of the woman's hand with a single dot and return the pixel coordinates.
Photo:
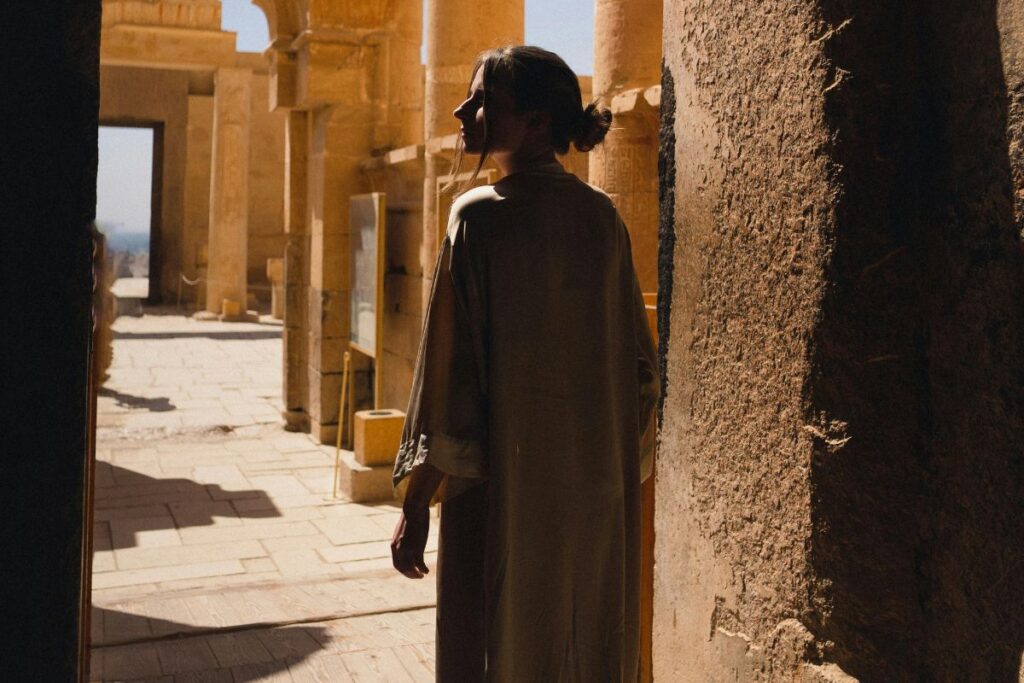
(409, 541)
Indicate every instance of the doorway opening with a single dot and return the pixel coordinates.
(128, 210)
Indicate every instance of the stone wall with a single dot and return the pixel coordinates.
(179, 104)
(842, 422)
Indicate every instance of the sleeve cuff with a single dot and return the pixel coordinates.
(455, 457)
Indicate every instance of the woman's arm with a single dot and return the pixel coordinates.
(410, 537)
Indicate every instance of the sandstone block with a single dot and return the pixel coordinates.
(361, 483)
(377, 435)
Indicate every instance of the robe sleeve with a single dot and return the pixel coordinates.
(647, 373)
(445, 424)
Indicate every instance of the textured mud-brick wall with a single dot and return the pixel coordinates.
(839, 471)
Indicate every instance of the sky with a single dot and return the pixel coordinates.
(563, 26)
(125, 169)
(124, 180)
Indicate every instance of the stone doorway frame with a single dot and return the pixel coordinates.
(155, 201)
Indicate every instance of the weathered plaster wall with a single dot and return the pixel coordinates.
(134, 96)
(839, 470)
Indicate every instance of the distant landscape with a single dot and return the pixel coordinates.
(128, 250)
(131, 242)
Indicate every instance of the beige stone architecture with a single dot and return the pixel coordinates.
(218, 207)
(258, 155)
(627, 78)
(349, 79)
(381, 123)
(229, 193)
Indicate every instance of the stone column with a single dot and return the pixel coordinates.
(457, 31)
(296, 273)
(348, 62)
(229, 191)
(627, 57)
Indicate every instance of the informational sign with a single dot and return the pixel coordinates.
(366, 243)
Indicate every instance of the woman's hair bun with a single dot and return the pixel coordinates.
(590, 128)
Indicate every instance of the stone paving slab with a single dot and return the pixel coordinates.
(220, 554)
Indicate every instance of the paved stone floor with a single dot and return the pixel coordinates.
(220, 554)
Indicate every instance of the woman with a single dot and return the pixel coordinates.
(532, 401)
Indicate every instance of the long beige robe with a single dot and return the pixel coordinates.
(534, 390)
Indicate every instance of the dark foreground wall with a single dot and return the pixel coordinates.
(47, 199)
(840, 474)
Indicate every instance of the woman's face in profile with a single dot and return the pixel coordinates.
(507, 128)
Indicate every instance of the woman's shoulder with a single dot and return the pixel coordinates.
(598, 196)
(473, 207)
(489, 206)
(475, 201)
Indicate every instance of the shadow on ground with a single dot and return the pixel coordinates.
(159, 404)
(251, 653)
(189, 503)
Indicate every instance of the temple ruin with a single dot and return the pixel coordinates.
(825, 204)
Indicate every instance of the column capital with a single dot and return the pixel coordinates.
(328, 66)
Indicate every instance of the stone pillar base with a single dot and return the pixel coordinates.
(246, 317)
(295, 420)
(363, 483)
(207, 316)
(326, 434)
